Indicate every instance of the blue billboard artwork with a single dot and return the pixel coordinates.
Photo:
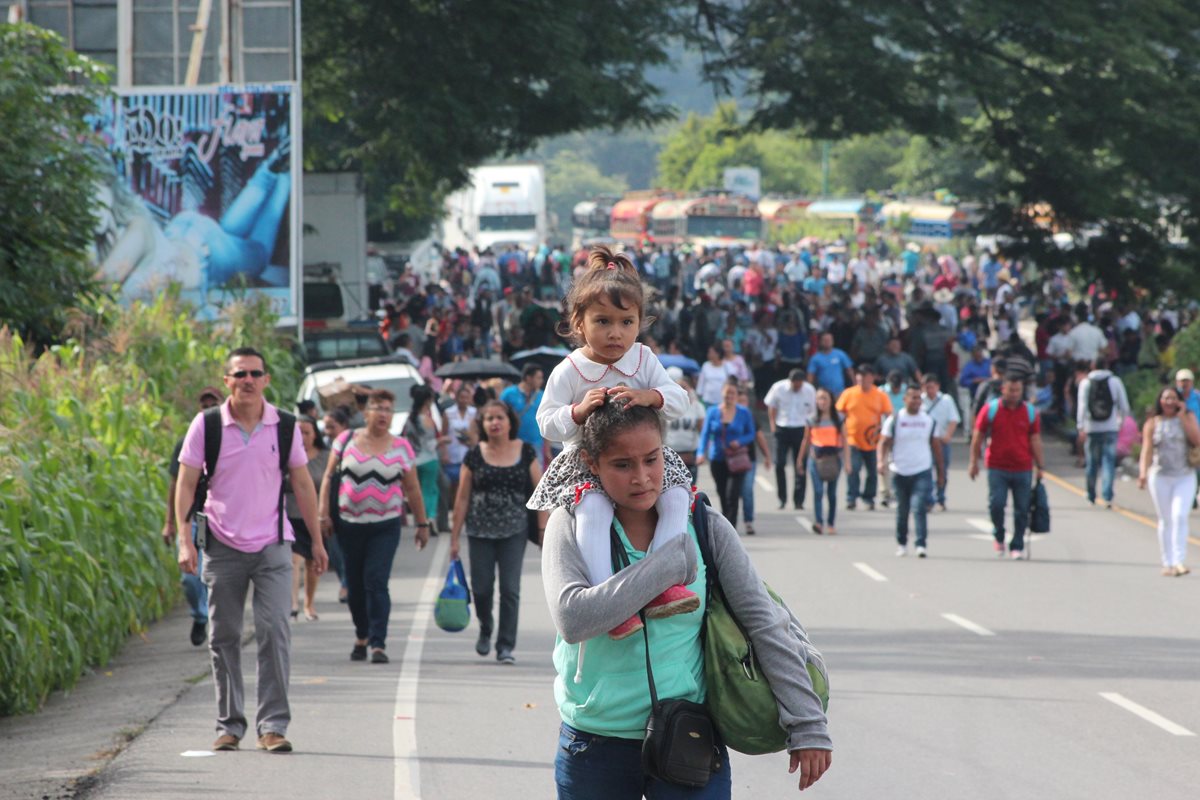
(200, 192)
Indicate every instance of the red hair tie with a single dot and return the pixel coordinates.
(612, 265)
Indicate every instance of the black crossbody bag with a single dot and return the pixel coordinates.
(681, 745)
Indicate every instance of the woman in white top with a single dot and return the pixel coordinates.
(683, 433)
(713, 374)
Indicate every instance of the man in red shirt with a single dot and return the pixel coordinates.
(1013, 430)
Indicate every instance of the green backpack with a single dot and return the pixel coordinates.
(738, 696)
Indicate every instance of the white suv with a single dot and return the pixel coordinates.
(398, 377)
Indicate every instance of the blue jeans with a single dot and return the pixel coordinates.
(368, 550)
(912, 493)
(937, 494)
(822, 491)
(748, 493)
(193, 586)
(1000, 483)
(1101, 455)
(590, 767)
(858, 460)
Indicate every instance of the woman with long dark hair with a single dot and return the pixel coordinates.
(825, 452)
(427, 442)
(1165, 471)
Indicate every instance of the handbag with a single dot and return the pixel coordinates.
(829, 464)
(680, 746)
(1039, 510)
(737, 456)
(452, 612)
(740, 699)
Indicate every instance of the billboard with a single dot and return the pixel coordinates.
(746, 181)
(201, 190)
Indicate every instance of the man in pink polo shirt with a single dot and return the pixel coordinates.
(247, 543)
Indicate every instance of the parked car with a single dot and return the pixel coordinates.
(395, 375)
(343, 343)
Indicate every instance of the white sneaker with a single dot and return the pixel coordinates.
(920, 552)
(901, 551)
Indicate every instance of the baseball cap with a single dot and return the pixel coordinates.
(211, 391)
(1185, 375)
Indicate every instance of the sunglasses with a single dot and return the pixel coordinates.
(253, 373)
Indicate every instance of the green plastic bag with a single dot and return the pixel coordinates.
(452, 612)
(738, 696)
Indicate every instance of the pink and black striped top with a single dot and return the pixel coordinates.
(369, 488)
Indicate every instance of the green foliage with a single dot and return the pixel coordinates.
(695, 155)
(414, 94)
(1142, 387)
(1186, 345)
(87, 428)
(569, 180)
(1076, 107)
(46, 217)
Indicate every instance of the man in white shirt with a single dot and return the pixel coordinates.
(942, 409)
(1101, 406)
(1088, 342)
(908, 436)
(791, 404)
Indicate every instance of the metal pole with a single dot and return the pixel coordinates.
(825, 168)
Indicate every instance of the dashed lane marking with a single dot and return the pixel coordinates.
(963, 622)
(763, 483)
(805, 523)
(1152, 717)
(869, 571)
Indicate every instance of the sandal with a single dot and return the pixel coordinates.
(310, 615)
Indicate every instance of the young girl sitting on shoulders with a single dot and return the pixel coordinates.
(604, 317)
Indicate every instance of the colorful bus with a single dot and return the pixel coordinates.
(779, 212)
(715, 220)
(926, 220)
(631, 216)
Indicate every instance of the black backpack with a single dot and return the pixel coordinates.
(212, 449)
(1100, 400)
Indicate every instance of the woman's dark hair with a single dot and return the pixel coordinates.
(834, 416)
(611, 419)
(421, 396)
(341, 415)
(611, 275)
(1158, 408)
(318, 440)
(513, 421)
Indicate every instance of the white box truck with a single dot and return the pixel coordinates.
(502, 205)
(336, 281)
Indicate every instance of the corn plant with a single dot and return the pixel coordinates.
(85, 431)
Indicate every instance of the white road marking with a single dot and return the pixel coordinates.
(981, 523)
(407, 778)
(869, 571)
(805, 523)
(763, 483)
(966, 623)
(1146, 714)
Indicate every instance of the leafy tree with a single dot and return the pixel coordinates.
(415, 93)
(1078, 107)
(569, 180)
(696, 154)
(46, 216)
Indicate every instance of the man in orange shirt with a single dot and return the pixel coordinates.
(863, 406)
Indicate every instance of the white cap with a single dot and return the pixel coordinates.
(1185, 375)
(675, 373)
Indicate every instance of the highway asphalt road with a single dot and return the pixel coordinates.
(1071, 675)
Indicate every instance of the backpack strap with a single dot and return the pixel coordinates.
(212, 451)
(286, 434)
(992, 407)
(1032, 412)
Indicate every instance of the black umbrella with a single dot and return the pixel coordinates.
(478, 369)
(545, 357)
